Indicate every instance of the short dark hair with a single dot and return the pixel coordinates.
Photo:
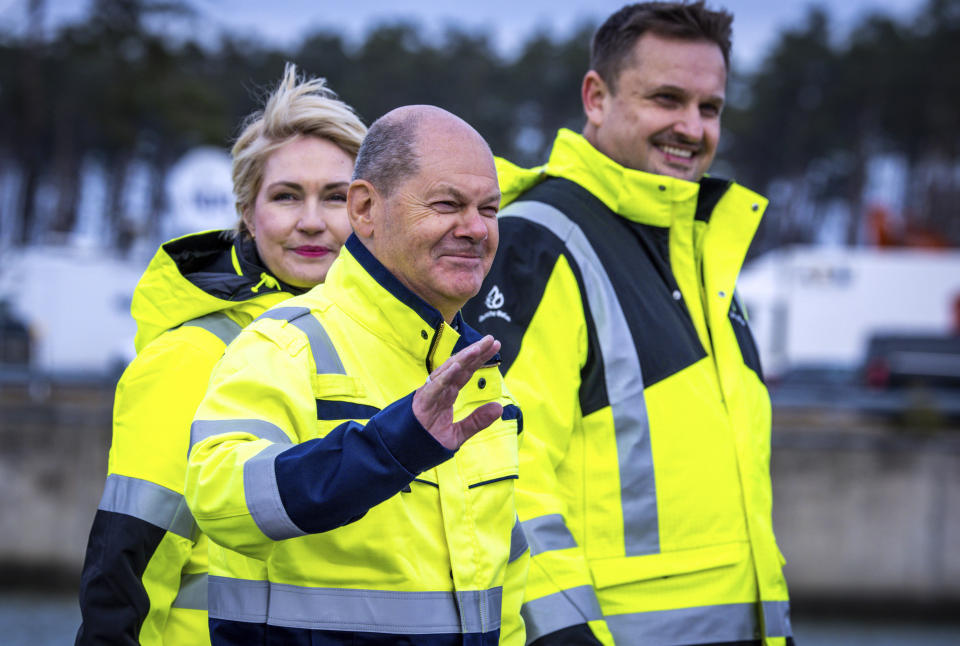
(613, 43)
(388, 153)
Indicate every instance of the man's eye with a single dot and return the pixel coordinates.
(710, 110)
(337, 197)
(489, 211)
(667, 99)
(446, 206)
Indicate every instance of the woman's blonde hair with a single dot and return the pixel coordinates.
(298, 106)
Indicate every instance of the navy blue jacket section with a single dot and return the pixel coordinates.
(117, 554)
(334, 480)
(234, 633)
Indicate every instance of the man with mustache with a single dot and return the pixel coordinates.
(358, 438)
(645, 490)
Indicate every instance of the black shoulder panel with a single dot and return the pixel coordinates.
(512, 291)
(635, 257)
(113, 601)
(513, 288)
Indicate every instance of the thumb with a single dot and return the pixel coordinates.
(478, 420)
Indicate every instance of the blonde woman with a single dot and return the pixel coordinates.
(144, 576)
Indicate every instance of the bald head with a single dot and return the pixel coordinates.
(424, 201)
(394, 145)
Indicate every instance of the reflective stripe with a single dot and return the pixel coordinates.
(559, 610)
(624, 380)
(704, 624)
(201, 429)
(263, 495)
(149, 502)
(518, 542)
(325, 356)
(193, 592)
(776, 618)
(218, 324)
(548, 533)
(479, 609)
(238, 599)
(377, 611)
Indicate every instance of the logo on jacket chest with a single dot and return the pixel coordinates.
(494, 301)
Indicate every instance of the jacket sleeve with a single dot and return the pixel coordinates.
(142, 519)
(259, 473)
(536, 312)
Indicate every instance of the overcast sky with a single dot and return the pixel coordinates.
(509, 22)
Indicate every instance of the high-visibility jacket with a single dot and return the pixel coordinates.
(306, 455)
(645, 486)
(144, 576)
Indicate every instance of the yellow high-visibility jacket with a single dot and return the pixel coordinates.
(145, 572)
(306, 455)
(645, 485)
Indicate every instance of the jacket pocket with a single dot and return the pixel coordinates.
(617, 571)
(491, 455)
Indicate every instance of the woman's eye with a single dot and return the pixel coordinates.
(284, 197)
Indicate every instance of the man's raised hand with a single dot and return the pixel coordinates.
(433, 402)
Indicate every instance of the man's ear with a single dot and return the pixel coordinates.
(594, 93)
(362, 200)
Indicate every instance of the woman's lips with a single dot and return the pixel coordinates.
(310, 251)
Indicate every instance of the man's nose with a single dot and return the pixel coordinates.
(690, 124)
(471, 225)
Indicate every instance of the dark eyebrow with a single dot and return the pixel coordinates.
(460, 197)
(719, 100)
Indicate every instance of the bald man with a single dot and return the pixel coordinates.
(359, 439)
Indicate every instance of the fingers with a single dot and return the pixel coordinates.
(478, 420)
(457, 370)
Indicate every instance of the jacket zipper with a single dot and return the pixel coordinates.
(433, 346)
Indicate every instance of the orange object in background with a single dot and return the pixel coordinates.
(883, 231)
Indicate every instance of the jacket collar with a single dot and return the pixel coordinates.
(358, 278)
(641, 197)
(633, 194)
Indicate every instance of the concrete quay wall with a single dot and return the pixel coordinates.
(863, 513)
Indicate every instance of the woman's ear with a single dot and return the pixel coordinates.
(248, 222)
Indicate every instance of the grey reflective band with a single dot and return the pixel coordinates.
(776, 619)
(376, 611)
(201, 429)
(238, 599)
(518, 542)
(193, 592)
(624, 381)
(325, 356)
(218, 324)
(548, 533)
(263, 495)
(560, 610)
(149, 502)
(732, 622)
